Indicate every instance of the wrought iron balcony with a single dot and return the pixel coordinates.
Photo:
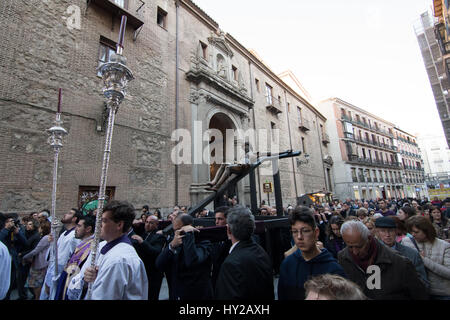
(116, 11)
(304, 125)
(273, 105)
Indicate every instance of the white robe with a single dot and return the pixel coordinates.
(121, 275)
(5, 270)
(66, 246)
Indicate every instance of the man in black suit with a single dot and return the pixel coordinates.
(247, 271)
(148, 249)
(187, 261)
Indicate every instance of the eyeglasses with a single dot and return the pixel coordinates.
(303, 232)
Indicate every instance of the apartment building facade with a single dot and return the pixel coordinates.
(410, 156)
(365, 152)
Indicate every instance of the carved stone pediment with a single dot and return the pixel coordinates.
(218, 40)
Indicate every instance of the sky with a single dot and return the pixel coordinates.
(364, 52)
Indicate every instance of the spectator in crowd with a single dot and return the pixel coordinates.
(33, 236)
(435, 254)
(148, 248)
(157, 213)
(334, 242)
(384, 209)
(38, 259)
(386, 233)
(436, 202)
(145, 210)
(400, 230)
(308, 260)
(43, 215)
(332, 287)
(406, 212)
(120, 273)
(446, 208)
(362, 213)
(187, 262)
(380, 272)
(15, 241)
(370, 224)
(440, 223)
(246, 274)
(347, 210)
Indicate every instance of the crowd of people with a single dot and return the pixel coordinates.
(353, 249)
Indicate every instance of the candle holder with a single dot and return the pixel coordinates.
(57, 132)
(115, 75)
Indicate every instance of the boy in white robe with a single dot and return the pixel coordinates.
(120, 273)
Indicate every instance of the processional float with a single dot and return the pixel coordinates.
(115, 75)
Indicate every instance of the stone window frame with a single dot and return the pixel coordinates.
(161, 18)
(204, 47)
(107, 44)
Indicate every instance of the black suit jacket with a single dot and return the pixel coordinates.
(219, 254)
(246, 274)
(189, 268)
(149, 250)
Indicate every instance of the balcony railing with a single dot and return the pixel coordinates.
(366, 125)
(369, 179)
(355, 179)
(361, 178)
(116, 11)
(273, 105)
(375, 179)
(378, 163)
(304, 125)
(373, 143)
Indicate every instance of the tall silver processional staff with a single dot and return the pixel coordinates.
(57, 132)
(115, 75)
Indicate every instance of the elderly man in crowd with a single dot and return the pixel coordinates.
(379, 271)
(386, 231)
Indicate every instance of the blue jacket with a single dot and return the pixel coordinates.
(295, 271)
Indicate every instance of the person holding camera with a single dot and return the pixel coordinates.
(187, 262)
(14, 240)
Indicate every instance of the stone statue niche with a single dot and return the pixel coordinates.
(221, 66)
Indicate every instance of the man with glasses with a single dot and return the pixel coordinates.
(308, 260)
(381, 273)
(148, 249)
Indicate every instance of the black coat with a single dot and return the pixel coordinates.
(246, 274)
(148, 251)
(189, 269)
(399, 279)
(219, 254)
(33, 239)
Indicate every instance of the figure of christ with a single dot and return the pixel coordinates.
(227, 170)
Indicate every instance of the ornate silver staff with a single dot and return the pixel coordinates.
(115, 75)
(57, 132)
